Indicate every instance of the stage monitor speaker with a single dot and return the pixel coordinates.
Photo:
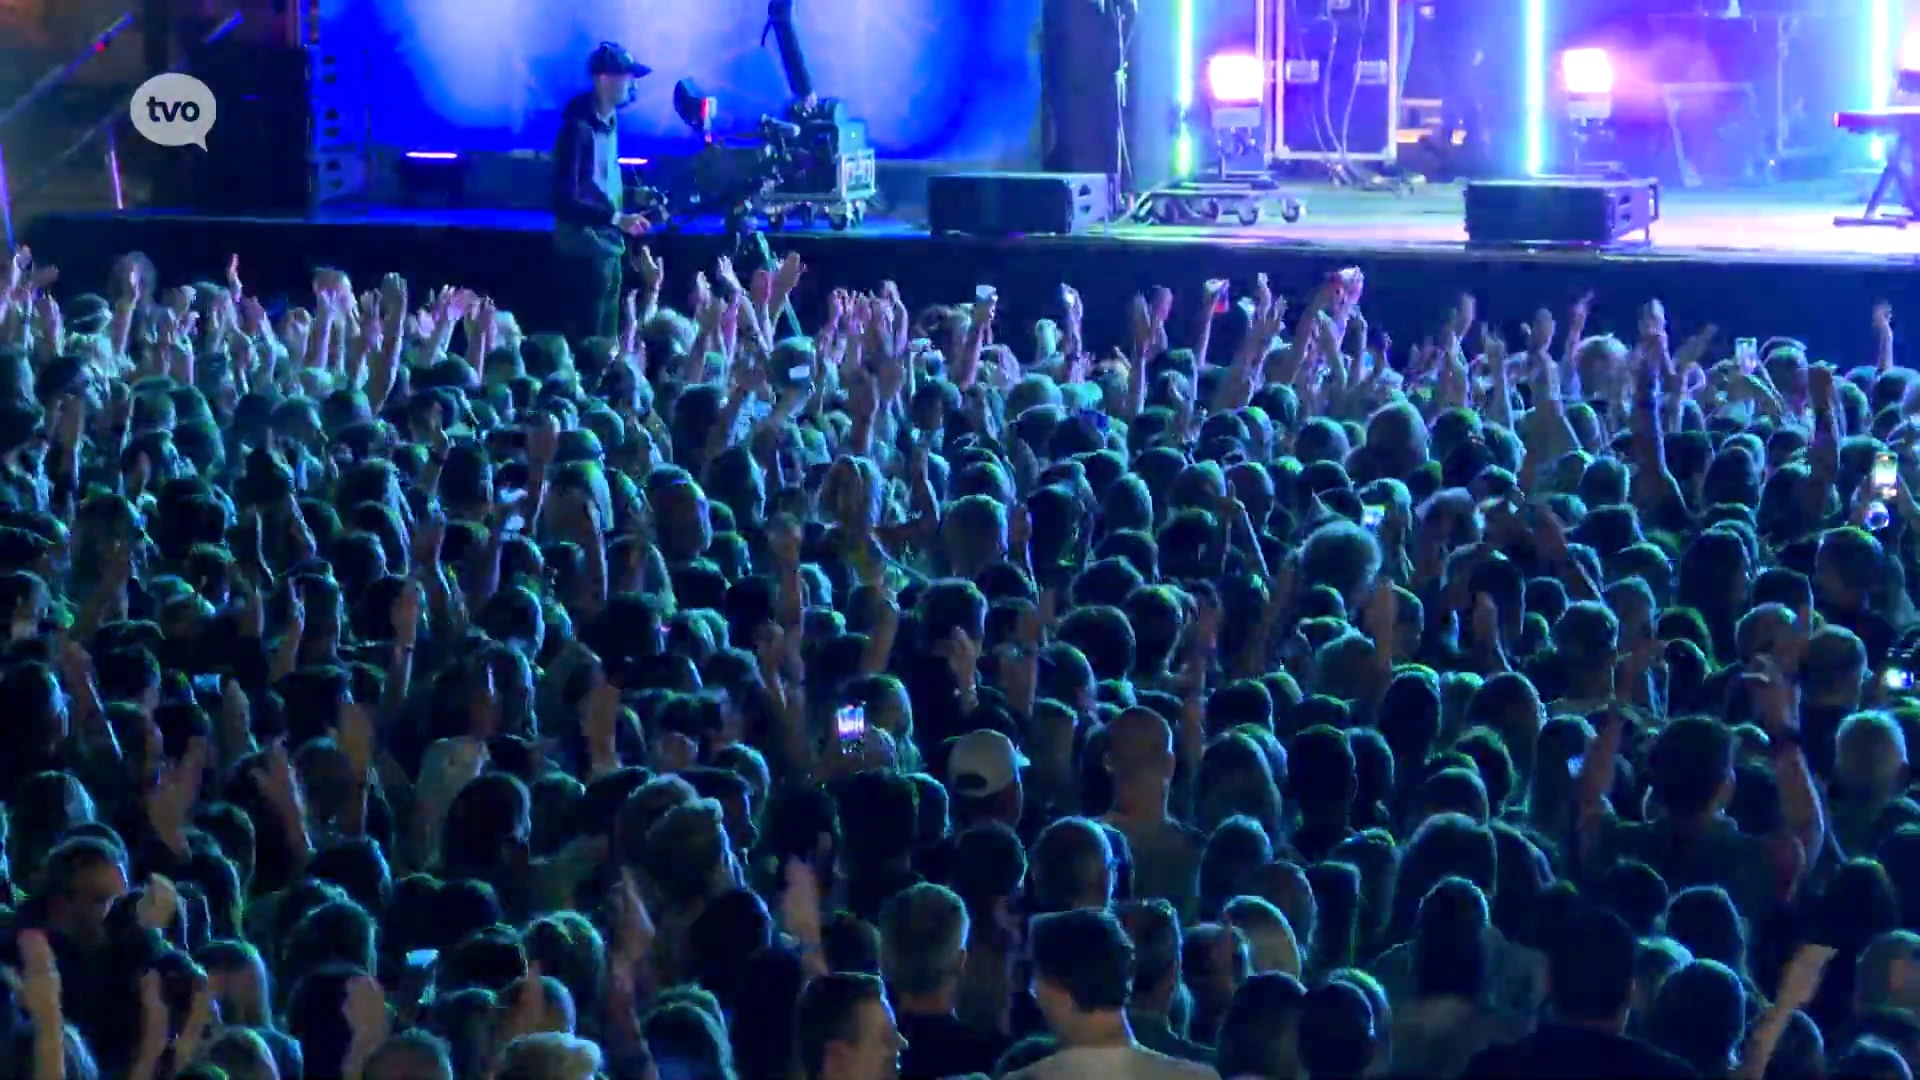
(258, 159)
(1560, 210)
(1011, 204)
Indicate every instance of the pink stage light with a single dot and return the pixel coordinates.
(1234, 79)
(433, 155)
(1586, 73)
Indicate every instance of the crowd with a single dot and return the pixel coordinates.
(395, 694)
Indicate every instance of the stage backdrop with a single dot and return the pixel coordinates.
(954, 80)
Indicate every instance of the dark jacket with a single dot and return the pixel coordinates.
(1573, 1053)
(586, 179)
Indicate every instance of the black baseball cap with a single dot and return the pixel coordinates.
(610, 59)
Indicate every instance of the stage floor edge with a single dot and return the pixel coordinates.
(1753, 265)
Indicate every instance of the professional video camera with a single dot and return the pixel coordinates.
(812, 163)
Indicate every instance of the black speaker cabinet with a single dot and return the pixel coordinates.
(1011, 204)
(1560, 210)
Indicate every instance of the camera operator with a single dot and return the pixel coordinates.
(590, 224)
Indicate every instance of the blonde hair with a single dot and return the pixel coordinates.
(852, 492)
(1274, 946)
(548, 1055)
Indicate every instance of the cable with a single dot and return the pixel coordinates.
(1323, 121)
(1373, 176)
(1353, 88)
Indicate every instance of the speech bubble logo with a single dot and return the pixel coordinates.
(174, 109)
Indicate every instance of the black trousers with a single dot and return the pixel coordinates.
(589, 300)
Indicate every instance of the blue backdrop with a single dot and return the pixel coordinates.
(955, 80)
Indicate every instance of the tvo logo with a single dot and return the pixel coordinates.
(174, 109)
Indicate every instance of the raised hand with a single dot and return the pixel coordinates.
(800, 902)
(450, 764)
(787, 275)
(365, 1011)
(1140, 323)
(159, 904)
(1775, 694)
(543, 440)
(633, 929)
(279, 783)
(18, 267)
(651, 270)
(1215, 295)
(355, 735)
(1801, 977)
(36, 983)
(1540, 333)
(393, 298)
(169, 802)
(962, 654)
(599, 724)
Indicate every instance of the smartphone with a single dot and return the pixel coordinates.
(850, 727)
(1373, 517)
(1575, 764)
(1747, 351)
(206, 685)
(421, 959)
(1886, 474)
(1218, 286)
(985, 294)
(1897, 678)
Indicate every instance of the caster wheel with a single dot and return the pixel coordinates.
(1248, 214)
(1292, 212)
(802, 215)
(1161, 213)
(1209, 210)
(777, 221)
(859, 214)
(837, 219)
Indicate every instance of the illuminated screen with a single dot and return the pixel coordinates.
(954, 80)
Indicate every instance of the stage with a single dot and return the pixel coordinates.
(1757, 262)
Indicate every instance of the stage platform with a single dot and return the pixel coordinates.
(1756, 262)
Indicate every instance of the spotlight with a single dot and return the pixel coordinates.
(1231, 111)
(1909, 74)
(432, 178)
(695, 109)
(1234, 79)
(1587, 72)
(1586, 77)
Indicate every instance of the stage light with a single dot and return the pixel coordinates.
(1183, 87)
(1586, 73)
(695, 108)
(1880, 64)
(432, 178)
(1234, 79)
(1534, 48)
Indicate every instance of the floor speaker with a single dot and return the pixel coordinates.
(258, 155)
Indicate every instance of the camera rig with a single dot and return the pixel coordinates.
(813, 163)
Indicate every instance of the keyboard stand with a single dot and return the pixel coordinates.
(1895, 179)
